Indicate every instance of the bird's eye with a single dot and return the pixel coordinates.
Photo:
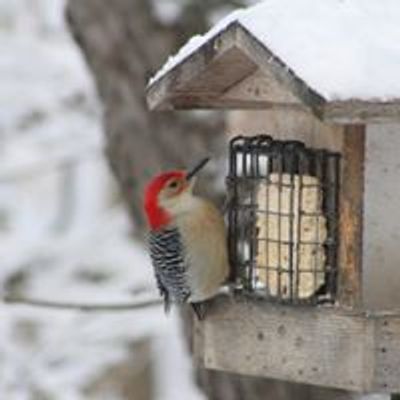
(173, 184)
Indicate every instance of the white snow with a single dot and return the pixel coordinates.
(167, 11)
(343, 49)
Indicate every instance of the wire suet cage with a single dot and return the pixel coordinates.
(283, 219)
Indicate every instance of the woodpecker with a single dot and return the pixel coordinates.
(187, 240)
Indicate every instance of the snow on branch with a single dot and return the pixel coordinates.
(85, 307)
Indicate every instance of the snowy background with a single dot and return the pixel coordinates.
(64, 235)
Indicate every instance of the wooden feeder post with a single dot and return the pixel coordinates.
(353, 344)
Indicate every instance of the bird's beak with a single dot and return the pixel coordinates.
(197, 168)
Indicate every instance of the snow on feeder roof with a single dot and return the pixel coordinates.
(338, 57)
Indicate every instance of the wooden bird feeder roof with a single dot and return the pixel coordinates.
(327, 58)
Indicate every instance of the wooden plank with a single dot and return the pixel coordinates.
(323, 346)
(387, 354)
(290, 124)
(381, 250)
(318, 346)
(225, 70)
(208, 101)
(261, 87)
(362, 112)
(351, 216)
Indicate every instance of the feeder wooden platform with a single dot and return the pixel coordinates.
(323, 346)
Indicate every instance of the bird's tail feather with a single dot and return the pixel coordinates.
(199, 309)
(167, 303)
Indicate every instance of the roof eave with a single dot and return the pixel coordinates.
(356, 111)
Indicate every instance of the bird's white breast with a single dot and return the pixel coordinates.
(203, 234)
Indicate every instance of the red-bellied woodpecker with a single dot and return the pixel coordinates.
(187, 240)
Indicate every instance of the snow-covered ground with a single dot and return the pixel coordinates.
(63, 234)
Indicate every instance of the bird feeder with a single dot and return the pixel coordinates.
(313, 217)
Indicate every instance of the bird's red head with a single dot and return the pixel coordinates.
(166, 189)
(168, 185)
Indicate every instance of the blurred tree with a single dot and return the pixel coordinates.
(125, 42)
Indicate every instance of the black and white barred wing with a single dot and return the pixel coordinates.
(168, 259)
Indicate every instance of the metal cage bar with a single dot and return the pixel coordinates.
(283, 219)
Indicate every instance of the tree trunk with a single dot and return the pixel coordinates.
(124, 44)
